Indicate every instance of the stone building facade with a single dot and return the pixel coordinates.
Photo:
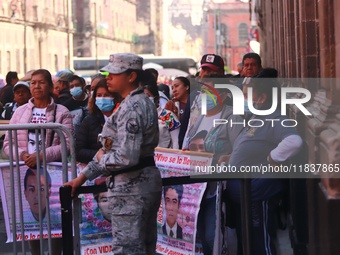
(225, 31)
(48, 34)
(35, 34)
(103, 27)
(302, 40)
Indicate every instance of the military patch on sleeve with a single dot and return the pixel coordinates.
(132, 126)
(108, 144)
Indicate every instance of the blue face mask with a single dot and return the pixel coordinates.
(105, 104)
(246, 107)
(76, 92)
(211, 101)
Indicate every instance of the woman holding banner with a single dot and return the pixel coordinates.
(129, 138)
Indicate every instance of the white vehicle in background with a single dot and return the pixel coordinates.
(88, 66)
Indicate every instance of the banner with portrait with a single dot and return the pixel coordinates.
(95, 227)
(178, 212)
(35, 197)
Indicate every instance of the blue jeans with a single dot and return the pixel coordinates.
(206, 224)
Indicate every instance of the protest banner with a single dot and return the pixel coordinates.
(178, 212)
(26, 201)
(95, 227)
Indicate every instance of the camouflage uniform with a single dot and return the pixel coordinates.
(128, 136)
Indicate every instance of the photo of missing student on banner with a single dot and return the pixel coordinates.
(95, 227)
(178, 212)
(28, 195)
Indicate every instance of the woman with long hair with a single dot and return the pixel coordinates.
(180, 90)
(100, 106)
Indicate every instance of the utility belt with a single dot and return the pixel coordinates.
(143, 162)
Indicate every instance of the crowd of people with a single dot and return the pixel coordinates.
(120, 118)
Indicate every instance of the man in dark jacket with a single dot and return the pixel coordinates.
(21, 95)
(6, 93)
(77, 103)
(62, 86)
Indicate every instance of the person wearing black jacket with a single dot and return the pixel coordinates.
(21, 95)
(87, 143)
(100, 107)
(6, 93)
(62, 87)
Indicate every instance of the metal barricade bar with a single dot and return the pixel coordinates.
(66, 207)
(62, 132)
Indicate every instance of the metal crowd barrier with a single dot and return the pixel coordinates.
(71, 248)
(59, 130)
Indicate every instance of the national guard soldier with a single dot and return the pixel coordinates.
(129, 137)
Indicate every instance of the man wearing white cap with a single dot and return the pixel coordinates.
(22, 93)
(129, 138)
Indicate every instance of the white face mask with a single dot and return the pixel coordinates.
(91, 93)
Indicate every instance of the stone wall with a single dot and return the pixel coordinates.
(302, 40)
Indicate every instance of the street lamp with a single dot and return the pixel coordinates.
(217, 23)
(216, 31)
(68, 35)
(95, 34)
(25, 35)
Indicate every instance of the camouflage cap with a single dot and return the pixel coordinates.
(120, 62)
